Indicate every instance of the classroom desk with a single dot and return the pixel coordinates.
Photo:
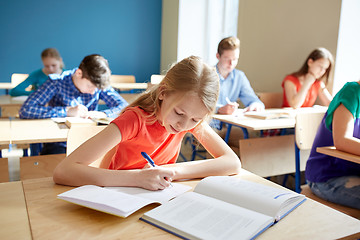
(7, 86)
(129, 86)
(5, 135)
(259, 124)
(37, 131)
(10, 106)
(51, 218)
(332, 151)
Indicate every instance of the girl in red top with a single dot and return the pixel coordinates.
(301, 88)
(156, 124)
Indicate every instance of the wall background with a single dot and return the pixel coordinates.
(127, 33)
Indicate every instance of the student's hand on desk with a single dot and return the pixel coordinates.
(254, 107)
(77, 111)
(155, 178)
(96, 114)
(228, 109)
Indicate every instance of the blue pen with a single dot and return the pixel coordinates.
(148, 159)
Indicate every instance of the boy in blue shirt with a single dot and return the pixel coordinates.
(74, 93)
(234, 85)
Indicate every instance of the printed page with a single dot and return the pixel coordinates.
(250, 195)
(160, 196)
(196, 216)
(117, 202)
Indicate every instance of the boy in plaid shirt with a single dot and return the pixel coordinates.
(74, 93)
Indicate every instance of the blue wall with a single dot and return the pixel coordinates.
(126, 32)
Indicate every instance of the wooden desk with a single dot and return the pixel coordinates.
(10, 106)
(5, 135)
(332, 151)
(14, 220)
(129, 86)
(51, 218)
(6, 86)
(37, 131)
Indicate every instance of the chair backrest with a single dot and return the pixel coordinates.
(156, 78)
(122, 79)
(306, 127)
(78, 135)
(39, 166)
(17, 78)
(271, 99)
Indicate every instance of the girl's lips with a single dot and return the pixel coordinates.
(174, 130)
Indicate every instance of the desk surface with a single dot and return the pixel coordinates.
(332, 151)
(51, 218)
(129, 85)
(37, 131)
(6, 85)
(5, 135)
(261, 124)
(14, 220)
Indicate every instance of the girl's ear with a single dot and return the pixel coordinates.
(161, 93)
(310, 62)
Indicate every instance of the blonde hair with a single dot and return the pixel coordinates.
(53, 53)
(189, 75)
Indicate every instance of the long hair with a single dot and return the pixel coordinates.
(316, 54)
(189, 75)
(53, 53)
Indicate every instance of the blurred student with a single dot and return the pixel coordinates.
(156, 123)
(52, 62)
(335, 179)
(302, 88)
(74, 93)
(234, 86)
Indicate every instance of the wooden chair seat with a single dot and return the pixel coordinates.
(305, 190)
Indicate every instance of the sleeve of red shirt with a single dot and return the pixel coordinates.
(128, 123)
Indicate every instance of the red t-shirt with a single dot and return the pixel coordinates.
(311, 95)
(138, 135)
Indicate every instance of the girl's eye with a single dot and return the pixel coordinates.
(178, 113)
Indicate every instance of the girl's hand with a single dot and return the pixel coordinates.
(155, 178)
(309, 78)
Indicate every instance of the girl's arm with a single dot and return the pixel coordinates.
(343, 130)
(324, 95)
(294, 98)
(74, 170)
(225, 161)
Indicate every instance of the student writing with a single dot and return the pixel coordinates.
(301, 88)
(335, 179)
(155, 123)
(52, 62)
(75, 93)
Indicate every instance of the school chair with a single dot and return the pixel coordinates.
(39, 166)
(4, 170)
(271, 99)
(17, 78)
(122, 79)
(156, 78)
(78, 135)
(306, 125)
(305, 190)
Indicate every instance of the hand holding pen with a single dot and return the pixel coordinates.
(229, 108)
(152, 164)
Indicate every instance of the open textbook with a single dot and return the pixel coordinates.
(120, 201)
(223, 207)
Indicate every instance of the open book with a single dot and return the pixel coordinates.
(120, 201)
(224, 207)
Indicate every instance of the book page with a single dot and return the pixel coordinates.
(196, 216)
(257, 197)
(117, 202)
(160, 196)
